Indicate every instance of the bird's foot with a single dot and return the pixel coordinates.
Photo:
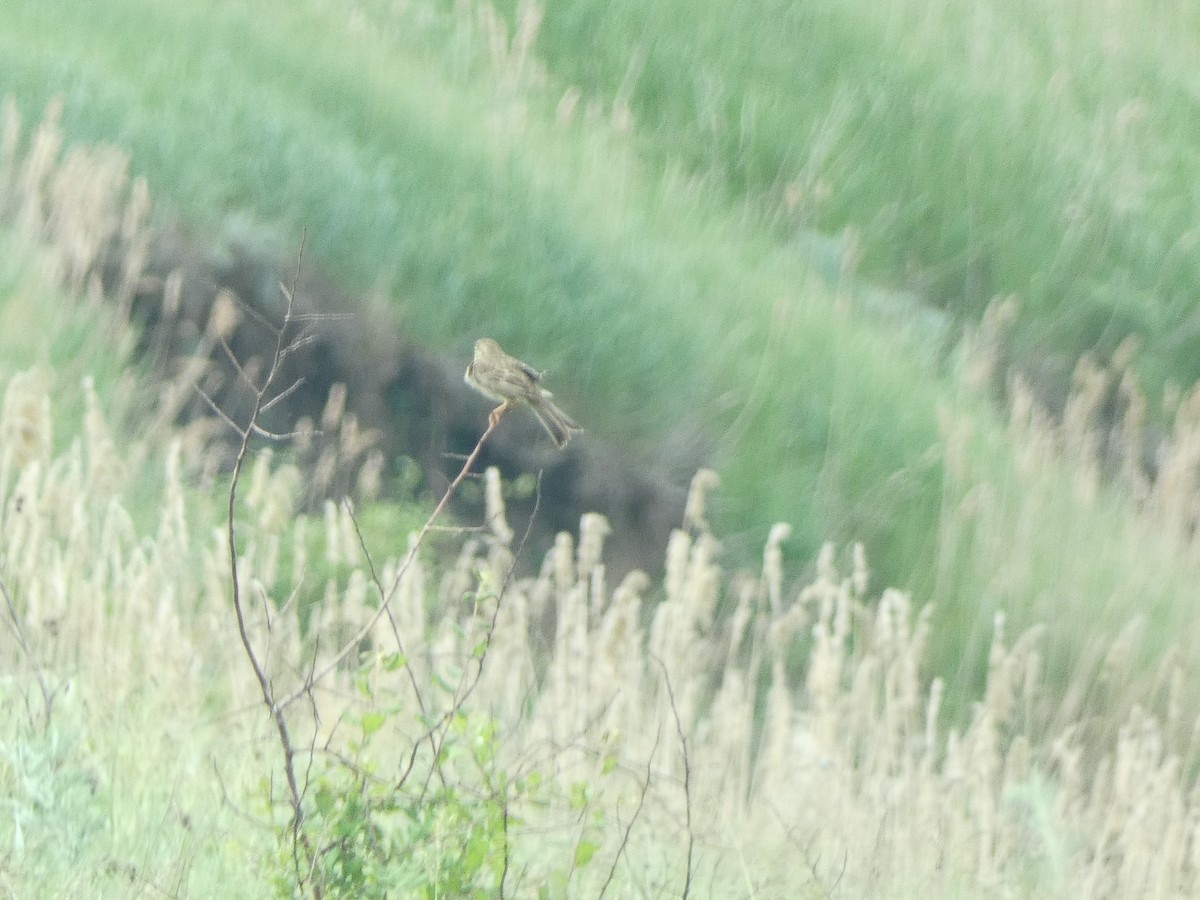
(495, 415)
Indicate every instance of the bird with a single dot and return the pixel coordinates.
(509, 382)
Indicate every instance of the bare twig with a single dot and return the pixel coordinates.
(463, 690)
(687, 779)
(412, 675)
(220, 413)
(461, 529)
(258, 317)
(299, 838)
(235, 362)
(636, 812)
(389, 595)
(283, 395)
(491, 629)
(504, 827)
(375, 580)
(252, 429)
(804, 851)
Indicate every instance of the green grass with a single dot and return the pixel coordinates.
(980, 149)
(632, 290)
(674, 279)
(631, 745)
(36, 328)
(120, 800)
(620, 755)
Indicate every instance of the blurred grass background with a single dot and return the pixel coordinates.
(751, 235)
(734, 234)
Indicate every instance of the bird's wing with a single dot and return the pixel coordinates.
(529, 370)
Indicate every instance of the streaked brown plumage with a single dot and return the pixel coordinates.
(509, 381)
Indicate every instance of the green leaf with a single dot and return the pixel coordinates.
(578, 796)
(323, 800)
(584, 851)
(372, 722)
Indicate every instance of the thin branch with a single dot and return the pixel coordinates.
(236, 363)
(636, 812)
(212, 404)
(275, 436)
(461, 529)
(261, 319)
(229, 801)
(812, 864)
(463, 691)
(491, 629)
(504, 827)
(687, 779)
(299, 838)
(284, 394)
(324, 316)
(412, 676)
(301, 341)
(252, 429)
(385, 602)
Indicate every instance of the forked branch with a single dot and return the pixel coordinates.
(300, 842)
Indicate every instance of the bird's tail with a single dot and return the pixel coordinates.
(557, 423)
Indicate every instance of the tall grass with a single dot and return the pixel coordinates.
(436, 174)
(108, 791)
(973, 150)
(444, 157)
(623, 737)
(977, 148)
(634, 721)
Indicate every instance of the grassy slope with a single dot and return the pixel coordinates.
(417, 172)
(552, 239)
(980, 149)
(152, 777)
(140, 816)
(115, 798)
(119, 796)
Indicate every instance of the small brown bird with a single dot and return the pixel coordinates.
(509, 381)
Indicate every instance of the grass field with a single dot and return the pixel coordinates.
(618, 754)
(979, 149)
(472, 206)
(752, 240)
